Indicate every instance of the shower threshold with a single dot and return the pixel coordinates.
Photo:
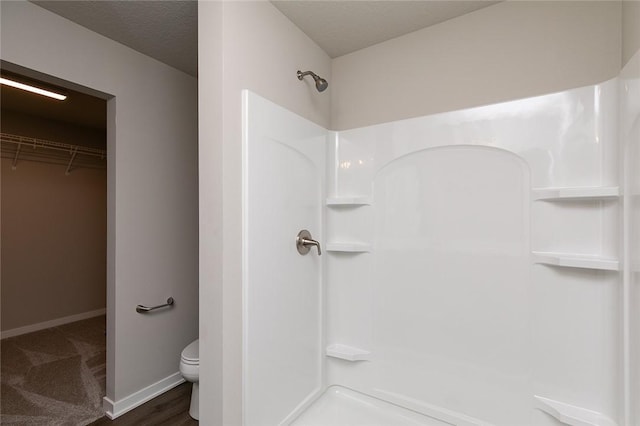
(339, 406)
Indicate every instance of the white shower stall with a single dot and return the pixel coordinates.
(478, 267)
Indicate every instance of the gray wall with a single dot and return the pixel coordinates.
(630, 29)
(19, 123)
(152, 185)
(54, 241)
(54, 230)
(506, 51)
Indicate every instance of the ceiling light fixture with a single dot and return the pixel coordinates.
(32, 89)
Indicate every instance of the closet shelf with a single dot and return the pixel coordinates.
(576, 193)
(572, 415)
(348, 353)
(574, 260)
(19, 148)
(349, 201)
(349, 247)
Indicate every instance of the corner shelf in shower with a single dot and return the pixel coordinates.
(349, 201)
(349, 247)
(576, 193)
(348, 353)
(574, 260)
(572, 415)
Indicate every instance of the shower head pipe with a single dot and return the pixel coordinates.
(321, 83)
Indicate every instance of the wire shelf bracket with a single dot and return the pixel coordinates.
(74, 152)
(15, 159)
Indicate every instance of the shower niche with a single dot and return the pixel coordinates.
(470, 272)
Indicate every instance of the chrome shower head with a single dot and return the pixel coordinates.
(321, 83)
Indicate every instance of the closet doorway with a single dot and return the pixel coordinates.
(53, 253)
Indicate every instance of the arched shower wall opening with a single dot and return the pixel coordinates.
(469, 273)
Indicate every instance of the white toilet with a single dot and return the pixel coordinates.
(190, 370)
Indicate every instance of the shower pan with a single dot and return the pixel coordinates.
(471, 269)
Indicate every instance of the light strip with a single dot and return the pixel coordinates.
(32, 89)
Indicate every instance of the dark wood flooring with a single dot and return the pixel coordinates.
(170, 409)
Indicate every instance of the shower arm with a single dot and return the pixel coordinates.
(321, 83)
(301, 75)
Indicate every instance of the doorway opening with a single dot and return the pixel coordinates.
(53, 251)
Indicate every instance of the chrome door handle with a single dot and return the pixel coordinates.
(304, 241)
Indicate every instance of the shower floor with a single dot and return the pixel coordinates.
(340, 406)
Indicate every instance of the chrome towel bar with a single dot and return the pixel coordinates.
(141, 309)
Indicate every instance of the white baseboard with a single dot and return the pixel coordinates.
(52, 323)
(116, 409)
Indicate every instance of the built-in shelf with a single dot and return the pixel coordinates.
(576, 193)
(349, 247)
(349, 201)
(573, 260)
(572, 415)
(348, 353)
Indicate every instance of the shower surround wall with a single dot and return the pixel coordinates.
(283, 189)
(630, 158)
(464, 308)
(472, 265)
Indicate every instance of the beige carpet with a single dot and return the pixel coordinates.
(55, 376)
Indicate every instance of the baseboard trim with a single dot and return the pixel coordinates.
(114, 409)
(51, 323)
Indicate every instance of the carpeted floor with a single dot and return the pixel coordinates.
(55, 376)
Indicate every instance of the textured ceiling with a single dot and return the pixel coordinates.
(164, 30)
(168, 30)
(341, 27)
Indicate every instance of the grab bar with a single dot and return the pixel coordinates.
(141, 309)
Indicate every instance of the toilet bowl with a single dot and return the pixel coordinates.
(190, 370)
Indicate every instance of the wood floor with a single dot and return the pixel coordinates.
(170, 409)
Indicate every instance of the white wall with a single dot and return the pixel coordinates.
(152, 186)
(506, 51)
(261, 50)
